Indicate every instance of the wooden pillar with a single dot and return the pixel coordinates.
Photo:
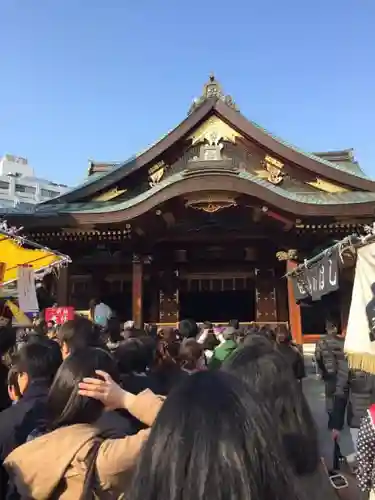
(295, 320)
(62, 289)
(266, 307)
(137, 291)
(169, 297)
(281, 286)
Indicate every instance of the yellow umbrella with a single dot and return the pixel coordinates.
(12, 254)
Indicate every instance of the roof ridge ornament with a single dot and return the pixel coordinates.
(212, 89)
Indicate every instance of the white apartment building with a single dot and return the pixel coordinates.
(20, 189)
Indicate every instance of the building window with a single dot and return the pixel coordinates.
(4, 185)
(27, 207)
(21, 188)
(47, 193)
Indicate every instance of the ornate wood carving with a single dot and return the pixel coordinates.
(287, 255)
(274, 168)
(212, 89)
(211, 202)
(326, 186)
(156, 173)
(209, 153)
(213, 131)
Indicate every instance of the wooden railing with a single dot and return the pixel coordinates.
(272, 324)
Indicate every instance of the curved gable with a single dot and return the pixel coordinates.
(324, 174)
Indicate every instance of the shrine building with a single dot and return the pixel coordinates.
(205, 223)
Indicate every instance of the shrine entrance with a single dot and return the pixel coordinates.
(218, 298)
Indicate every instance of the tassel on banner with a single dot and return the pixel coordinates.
(361, 361)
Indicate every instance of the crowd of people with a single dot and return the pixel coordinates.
(215, 413)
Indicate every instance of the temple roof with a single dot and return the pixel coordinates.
(353, 189)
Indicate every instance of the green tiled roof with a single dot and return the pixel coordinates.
(352, 168)
(105, 180)
(347, 167)
(319, 198)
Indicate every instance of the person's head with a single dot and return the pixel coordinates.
(37, 359)
(114, 330)
(149, 346)
(210, 342)
(151, 330)
(229, 333)
(191, 354)
(267, 372)
(252, 330)
(13, 387)
(167, 353)
(64, 405)
(188, 329)
(212, 440)
(234, 323)
(5, 314)
(283, 335)
(259, 344)
(132, 356)
(129, 325)
(8, 338)
(207, 326)
(78, 333)
(267, 332)
(93, 302)
(167, 333)
(331, 328)
(41, 328)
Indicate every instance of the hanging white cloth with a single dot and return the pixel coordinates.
(27, 299)
(360, 336)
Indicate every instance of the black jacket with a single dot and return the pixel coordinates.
(294, 358)
(136, 383)
(328, 353)
(17, 422)
(5, 402)
(355, 393)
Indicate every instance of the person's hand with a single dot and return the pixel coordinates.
(104, 389)
(335, 434)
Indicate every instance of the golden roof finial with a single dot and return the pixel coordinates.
(211, 90)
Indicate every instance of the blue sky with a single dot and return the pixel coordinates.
(102, 79)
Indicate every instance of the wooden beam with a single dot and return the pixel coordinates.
(63, 287)
(295, 320)
(137, 291)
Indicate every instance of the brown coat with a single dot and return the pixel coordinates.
(58, 458)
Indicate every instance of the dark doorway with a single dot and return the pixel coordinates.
(315, 314)
(218, 306)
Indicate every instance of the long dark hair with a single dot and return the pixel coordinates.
(212, 440)
(65, 406)
(266, 371)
